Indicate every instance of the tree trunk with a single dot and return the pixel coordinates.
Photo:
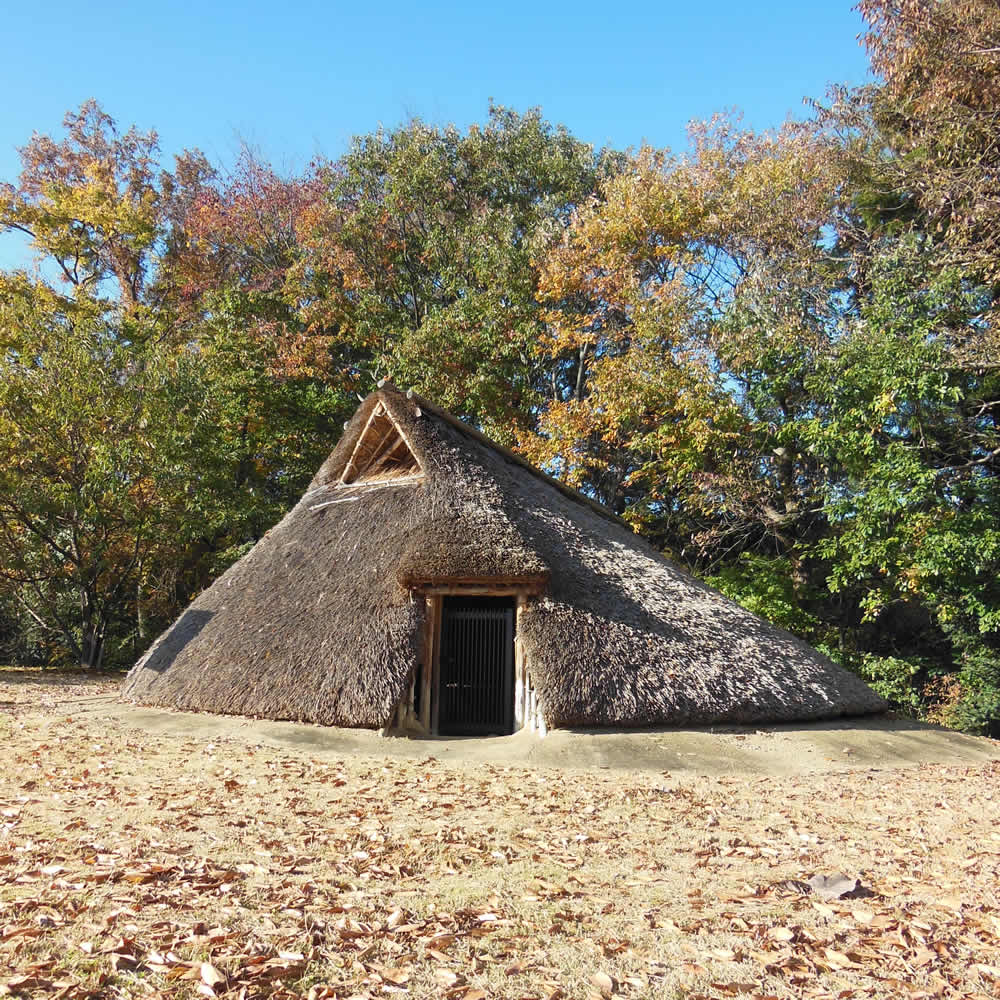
(141, 621)
(91, 648)
(581, 365)
(91, 635)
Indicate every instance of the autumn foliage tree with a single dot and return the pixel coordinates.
(80, 400)
(784, 382)
(274, 389)
(938, 108)
(679, 298)
(88, 476)
(156, 418)
(419, 261)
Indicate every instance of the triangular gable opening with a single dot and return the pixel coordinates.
(382, 453)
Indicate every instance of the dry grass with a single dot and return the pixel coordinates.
(134, 865)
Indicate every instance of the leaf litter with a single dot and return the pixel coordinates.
(134, 864)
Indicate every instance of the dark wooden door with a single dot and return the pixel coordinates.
(476, 687)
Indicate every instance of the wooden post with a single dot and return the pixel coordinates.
(518, 688)
(436, 665)
(520, 667)
(429, 657)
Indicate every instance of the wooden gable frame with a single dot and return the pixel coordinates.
(382, 453)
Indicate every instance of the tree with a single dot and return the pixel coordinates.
(699, 289)
(161, 403)
(775, 381)
(419, 264)
(273, 394)
(913, 504)
(911, 436)
(84, 375)
(937, 112)
(96, 206)
(86, 498)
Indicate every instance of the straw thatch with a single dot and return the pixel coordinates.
(317, 622)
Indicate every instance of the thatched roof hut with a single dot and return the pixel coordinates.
(430, 579)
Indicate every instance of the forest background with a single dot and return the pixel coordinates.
(776, 354)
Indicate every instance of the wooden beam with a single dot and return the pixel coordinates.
(428, 664)
(409, 444)
(379, 408)
(386, 458)
(436, 667)
(367, 458)
(501, 586)
(520, 674)
(373, 484)
(472, 591)
(372, 453)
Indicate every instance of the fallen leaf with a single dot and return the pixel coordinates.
(396, 976)
(604, 983)
(211, 976)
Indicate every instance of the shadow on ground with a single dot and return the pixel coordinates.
(71, 680)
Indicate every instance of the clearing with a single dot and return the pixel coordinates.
(149, 854)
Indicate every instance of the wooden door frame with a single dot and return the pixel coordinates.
(433, 595)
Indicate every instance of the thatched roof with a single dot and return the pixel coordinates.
(317, 623)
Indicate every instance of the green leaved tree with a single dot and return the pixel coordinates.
(88, 470)
(420, 259)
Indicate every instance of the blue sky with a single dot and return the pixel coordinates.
(298, 79)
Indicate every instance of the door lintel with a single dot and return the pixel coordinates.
(532, 585)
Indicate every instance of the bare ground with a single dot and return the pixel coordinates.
(231, 859)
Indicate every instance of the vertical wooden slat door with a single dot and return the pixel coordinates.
(476, 681)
